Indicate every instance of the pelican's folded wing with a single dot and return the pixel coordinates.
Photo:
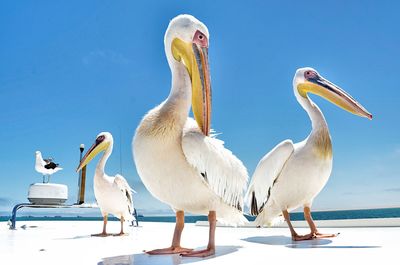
(123, 185)
(265, 175)
(217, 166)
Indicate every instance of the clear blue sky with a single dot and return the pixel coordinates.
(70, 70)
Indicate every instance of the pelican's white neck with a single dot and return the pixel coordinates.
(317, 118)
(181, 83)
(179, 99)
(103, 160)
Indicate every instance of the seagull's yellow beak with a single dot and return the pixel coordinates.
(331, 92)
(195, 58)
(97, 147)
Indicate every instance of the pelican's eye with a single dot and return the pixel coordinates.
(310, 74)
(200, 39)
(100, 139)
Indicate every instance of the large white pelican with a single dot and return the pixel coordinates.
(177, 160)
(291, 175)
(113, 194)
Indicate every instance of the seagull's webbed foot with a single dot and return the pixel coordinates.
(200, 253)
(170, 250)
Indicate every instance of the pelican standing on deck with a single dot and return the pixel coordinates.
(292, 175)
(176, 158)
(46, 166)
(113, 194)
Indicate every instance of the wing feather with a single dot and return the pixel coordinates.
(266, 174)
(217, 166)
(123, 185)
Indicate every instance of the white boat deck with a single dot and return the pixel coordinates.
(69, 242)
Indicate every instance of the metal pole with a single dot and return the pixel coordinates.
(82, 179)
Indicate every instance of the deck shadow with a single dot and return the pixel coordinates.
(287, 241)
(300, 246)
(145, 259)
(75, 237)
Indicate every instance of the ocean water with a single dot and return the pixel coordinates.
(320, 215)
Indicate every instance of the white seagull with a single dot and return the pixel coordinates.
(292, 175)
(176, 158)
(46, 167)
(113, 194)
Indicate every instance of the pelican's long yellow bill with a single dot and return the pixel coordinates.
(96, 148)
(334, 94)
(195, 58)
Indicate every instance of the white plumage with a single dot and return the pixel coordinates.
(171, 153)
(267, 172)
(222, 171)
(176, 161)
(46, 167)
(113, 194)
(292, 175)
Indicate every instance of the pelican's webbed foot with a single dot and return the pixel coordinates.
(121, 234)
(297, 237)
(170, 250)
(101, 234)
(320, 235)
(200, 253)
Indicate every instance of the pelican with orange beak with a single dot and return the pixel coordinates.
(113, 194)
(292, 175)
(178, 160)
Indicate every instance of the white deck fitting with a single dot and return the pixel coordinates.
(69, 242)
